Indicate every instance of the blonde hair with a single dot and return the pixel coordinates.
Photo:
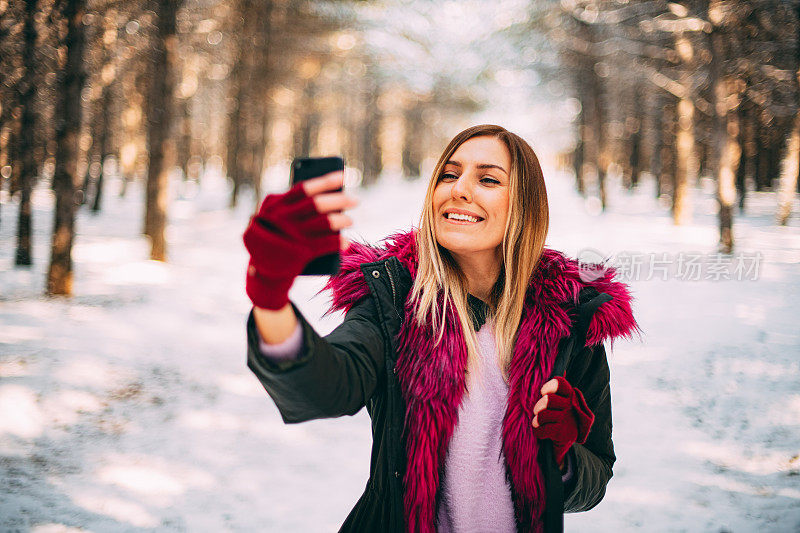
(526, 228)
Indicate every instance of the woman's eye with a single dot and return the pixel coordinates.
(484, 179)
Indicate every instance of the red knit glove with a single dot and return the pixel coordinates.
(562, 417)
(286, 234)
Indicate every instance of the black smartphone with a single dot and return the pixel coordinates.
(304, 168)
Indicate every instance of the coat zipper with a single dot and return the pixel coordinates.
(393, 487)
(391, 280)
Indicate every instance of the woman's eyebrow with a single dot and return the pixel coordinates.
(481, 165)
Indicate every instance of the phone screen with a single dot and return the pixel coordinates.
(304, 168)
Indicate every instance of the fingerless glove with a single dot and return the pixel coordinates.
(282, 238)
(565, 420)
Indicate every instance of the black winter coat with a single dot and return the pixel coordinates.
(353, 367)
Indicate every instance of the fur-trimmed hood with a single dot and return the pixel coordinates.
(432, 377)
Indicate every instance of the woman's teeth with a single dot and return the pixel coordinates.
(465, 218)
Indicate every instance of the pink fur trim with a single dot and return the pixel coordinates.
(348, 285)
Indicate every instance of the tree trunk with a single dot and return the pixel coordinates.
(761, 156)
(791, 167)
(686, 156)
(725, 149)
(602, 157)
(14, 156)
(250, 80)
(669, 152)
(657, 112)
(234, 129)
(774, 165)
(578, 161)
(4, 148)
(184, 150)
(160, 105)
(744, 156)
(103, 148)
(258, 158)
(258, 94)
(686, 166)
(93, 155)
(371, 157)
(241, 79)
(412, 145)
(593, 132)
(635, 158)
(305, 139)
(579, 153)
(27, 138)
(656, 161)
(109, 80)
(68, 123)
(726, 179)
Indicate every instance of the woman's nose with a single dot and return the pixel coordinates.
(461, 188)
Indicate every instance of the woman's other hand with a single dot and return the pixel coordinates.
(291, 229)
(561, 415)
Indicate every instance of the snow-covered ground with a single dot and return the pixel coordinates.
(130, 408)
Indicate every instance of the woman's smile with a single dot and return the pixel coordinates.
(462, 220)
(458, 222)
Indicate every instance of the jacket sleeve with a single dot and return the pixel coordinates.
(288, 349)
(333, 375)
(593, 460)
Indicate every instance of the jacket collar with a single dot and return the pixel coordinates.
(432, 376)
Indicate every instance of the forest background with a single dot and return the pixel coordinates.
(138, 136)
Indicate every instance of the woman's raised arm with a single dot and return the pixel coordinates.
(333, 375)
(275, 326)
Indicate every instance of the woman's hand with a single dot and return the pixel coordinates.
(562, 416)
(290, 230)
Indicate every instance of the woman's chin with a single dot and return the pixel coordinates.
(461, 245)
(459, 231)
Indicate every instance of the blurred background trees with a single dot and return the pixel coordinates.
(99, 92)
(682, 90)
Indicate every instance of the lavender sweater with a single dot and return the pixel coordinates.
(475, 493)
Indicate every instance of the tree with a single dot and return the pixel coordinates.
(27, 142)
(160, 104)
(68, 123)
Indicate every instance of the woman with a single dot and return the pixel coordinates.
(450, 339)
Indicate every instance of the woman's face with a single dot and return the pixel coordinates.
(475, 180)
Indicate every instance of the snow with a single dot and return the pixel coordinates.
(129, 407)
